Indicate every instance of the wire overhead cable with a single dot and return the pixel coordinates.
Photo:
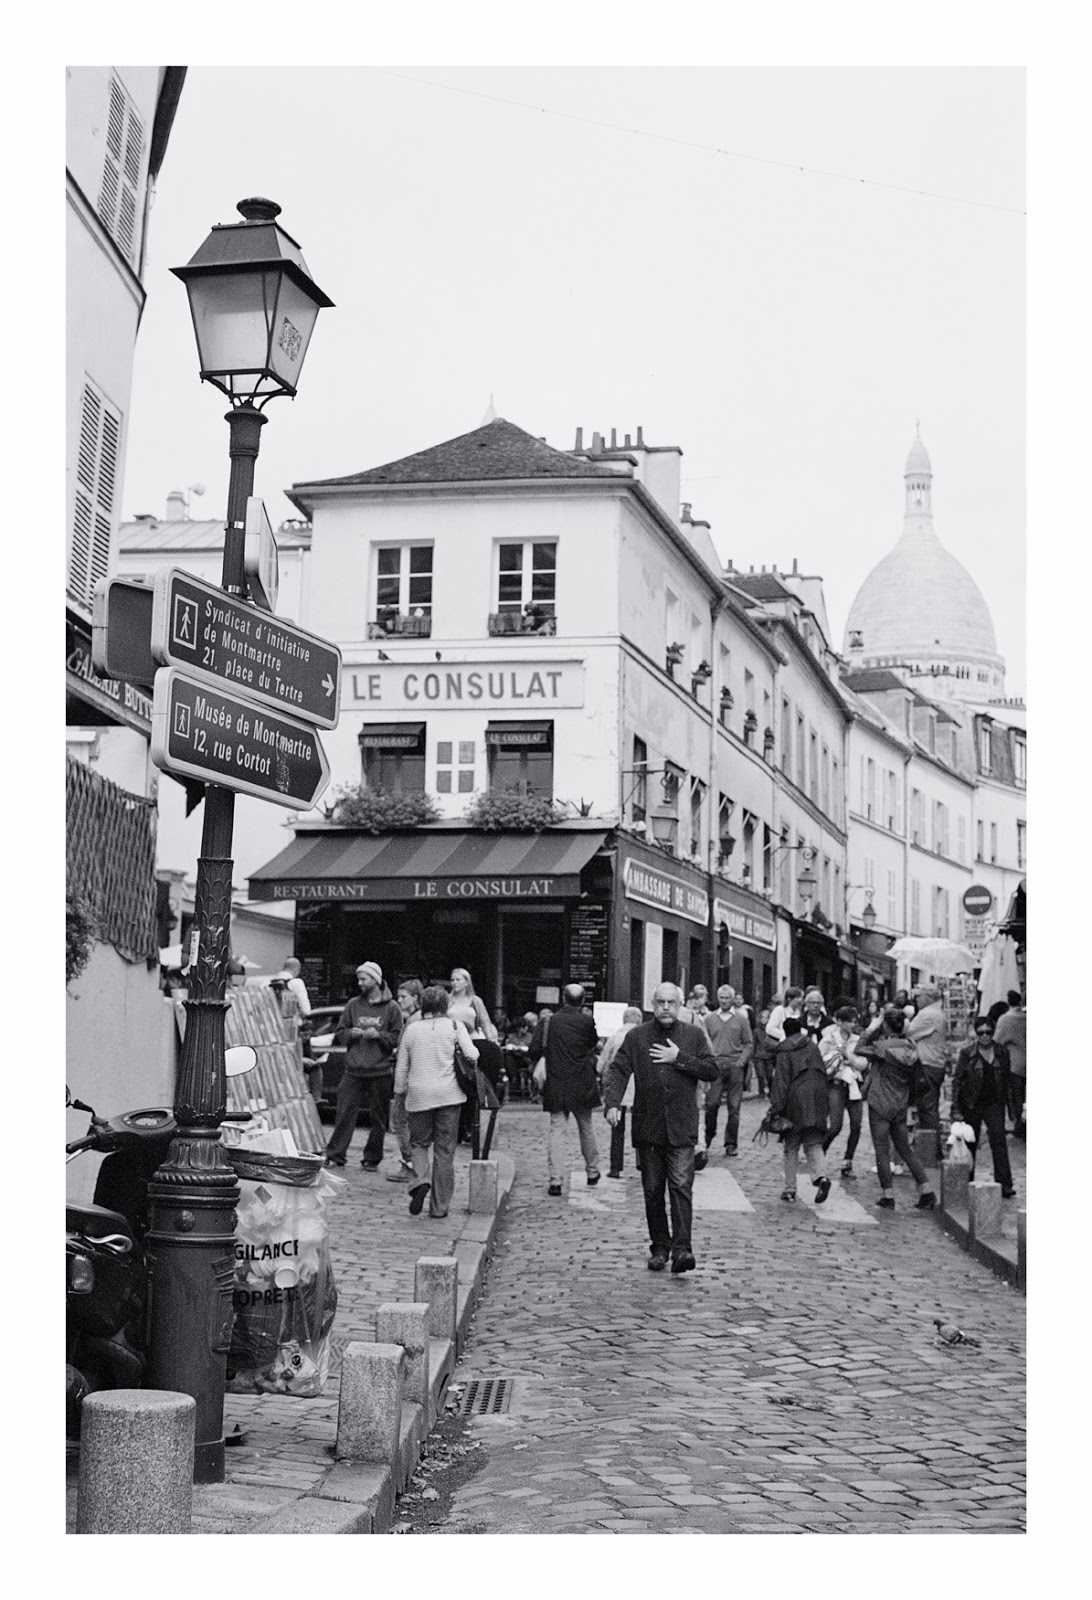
(709, 149)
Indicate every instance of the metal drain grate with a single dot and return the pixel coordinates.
(485, 1397)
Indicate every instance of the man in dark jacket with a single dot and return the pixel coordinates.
(566, 1048)
(892, 1063)
(666, 1058)
(980, 1093)
(371, 1026)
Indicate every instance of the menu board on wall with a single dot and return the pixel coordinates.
(588, 950)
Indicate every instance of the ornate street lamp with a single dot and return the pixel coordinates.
(868, 915)
(807, 882)
(254, 307)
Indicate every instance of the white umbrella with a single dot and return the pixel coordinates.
(942, 957)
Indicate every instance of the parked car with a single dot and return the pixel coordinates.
(320, 1052)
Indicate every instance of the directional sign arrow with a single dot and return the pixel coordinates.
(223, 640)
(219, 736)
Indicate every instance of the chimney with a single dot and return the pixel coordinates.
(627, 441)
(596, 444)
(579, 445)
(684, 515)
(794, 566)
(614, 438)
(763, 568)
(640, 438)
(176, 506)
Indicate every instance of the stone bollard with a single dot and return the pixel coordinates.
(955, 1177)
(436, 1280)
(136, 1462)
(406, 1324)
(369, 1412)
(483, 1187)
(1022, 1247)
(984, 1209)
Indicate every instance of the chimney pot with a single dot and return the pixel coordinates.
(596, 443)
(176, 506)
(579, 445)
(794, 567)
(627, 441)
(614, 438)
(640, 437)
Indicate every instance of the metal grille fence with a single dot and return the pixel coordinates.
(110, 860)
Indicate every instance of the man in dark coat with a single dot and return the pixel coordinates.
(892, 1062)
(799, 1094)
(980, 1093)
(667, 1059)
(566, 1048)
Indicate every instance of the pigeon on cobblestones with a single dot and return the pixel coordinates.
(953, 1335)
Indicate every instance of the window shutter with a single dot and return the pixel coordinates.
(118, 207)
(96, 486)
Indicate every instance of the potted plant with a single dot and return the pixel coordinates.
(80, 932)
(376, 811)
(506, 810)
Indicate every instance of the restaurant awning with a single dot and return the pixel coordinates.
(444, 865)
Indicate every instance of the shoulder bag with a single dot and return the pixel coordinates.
(465, 1074)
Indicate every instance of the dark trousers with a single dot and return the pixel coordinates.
(888, 1131)
(618, 1144)
(372, 1095)
(729, 1088)
(763, 1073)
(994, 1118)
(927, 1102)
(838, 1104)
(1017, 1085)
(669, 1167)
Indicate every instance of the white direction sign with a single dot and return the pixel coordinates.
(260, 556)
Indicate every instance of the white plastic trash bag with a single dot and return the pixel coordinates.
(285, 1296)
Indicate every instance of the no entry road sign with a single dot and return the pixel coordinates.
(216, 736)
(223, 640)
(977, 900)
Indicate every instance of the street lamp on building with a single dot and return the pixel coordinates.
(254, 307)
(806, 882)
(868, 915)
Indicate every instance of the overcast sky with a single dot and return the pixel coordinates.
(570, 241)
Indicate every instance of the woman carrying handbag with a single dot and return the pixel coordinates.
(426, 1074)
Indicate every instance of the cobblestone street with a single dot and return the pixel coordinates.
(793, 1383)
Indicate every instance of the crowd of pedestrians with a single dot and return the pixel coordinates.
(668, 1077)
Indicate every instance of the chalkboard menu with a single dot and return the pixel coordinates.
(588, 950)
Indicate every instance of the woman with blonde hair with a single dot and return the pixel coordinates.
(425, 1074)
(469, 1008)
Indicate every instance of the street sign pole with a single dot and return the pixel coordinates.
(193, 1195)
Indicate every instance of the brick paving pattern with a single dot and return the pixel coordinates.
(656, 1404)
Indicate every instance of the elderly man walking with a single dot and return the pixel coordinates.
(666, 1059)
(564, 1047)
(730, 1034)
(928, 1032)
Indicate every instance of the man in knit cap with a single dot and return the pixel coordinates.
(370, 1026)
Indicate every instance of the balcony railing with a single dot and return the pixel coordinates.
(505, 622)
(396, 624)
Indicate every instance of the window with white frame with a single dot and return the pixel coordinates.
(393, 756)
(697, 818)
(889, 800)
(985, 747)
(870, 790)
(403, 583)
(813, 765)
(941, 913)
(961, 839)
(526, 575)
(980, 840)
(1020, 761)
(892, 901)
(801, 754)
(917, 817)
(119, 197)
(824, 793)
(750, 823)
(639, 792)
(940, 828)
(993, 842)
(1021, 845)
(455, 766)
(786, 736)
(915, 905)
(838, 810)
(521, 758)
(95, 492)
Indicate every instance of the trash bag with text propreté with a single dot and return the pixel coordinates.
(284, 1295)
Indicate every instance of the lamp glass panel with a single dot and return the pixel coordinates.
(293, 324)
(231, 318)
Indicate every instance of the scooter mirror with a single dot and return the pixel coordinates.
(239, 1059)
(67, 1095)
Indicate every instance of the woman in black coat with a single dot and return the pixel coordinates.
(800, 1094)
(980, 1092)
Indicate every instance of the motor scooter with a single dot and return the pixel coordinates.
(106, 1283)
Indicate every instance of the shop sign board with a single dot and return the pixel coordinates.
(418, 891)
(747, 925)
(220, 639)
(500, 684)
(651, 887)
(217, 736)
(122, 702)
(261, 558)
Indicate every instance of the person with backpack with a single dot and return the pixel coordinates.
(799, 1095)
(892, 1060)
